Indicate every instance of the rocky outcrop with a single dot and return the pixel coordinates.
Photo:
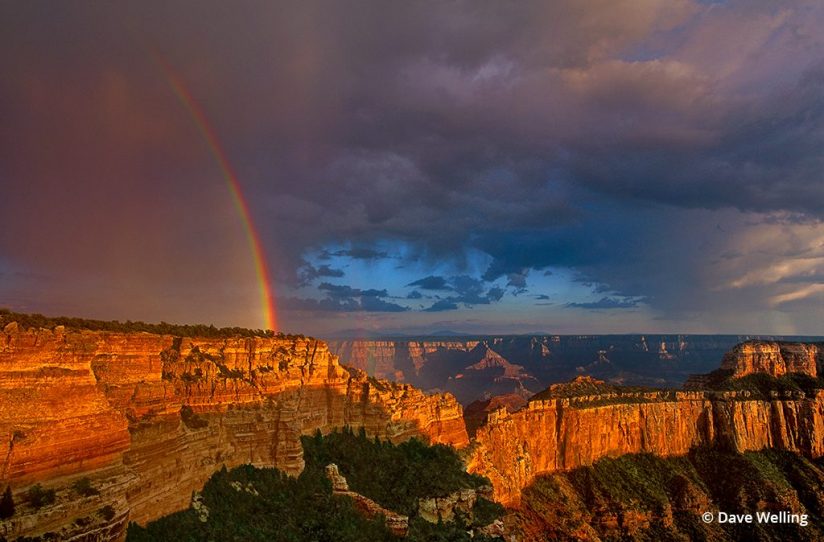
(396, 359)
(559, 434)
(377, 358)
(476, 412)
(437, 509)
(773, 358)
(398, 524)
(148, 418)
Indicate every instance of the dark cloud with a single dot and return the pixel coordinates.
(309, 273)
(361, 253)
(376, 304)
(495, 294)
(468, 292)
(342, 298)
(606, 303)
(431, 283)
(340, 291)
(517, 281)
(597, 138)
(442, 305)
(414, 294)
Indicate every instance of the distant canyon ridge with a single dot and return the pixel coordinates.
(479, 368)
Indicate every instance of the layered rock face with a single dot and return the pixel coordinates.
(148, 418)
(557, 432)
(397, 360)
(475, 413)
(476, 369)
(773, 358)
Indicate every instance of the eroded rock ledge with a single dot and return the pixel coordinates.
(148, 418)
(573, 425)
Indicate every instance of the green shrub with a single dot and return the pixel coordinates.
(84, 487)
(39, 497)
(485, 512)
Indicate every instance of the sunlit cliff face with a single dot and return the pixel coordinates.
(613, 167)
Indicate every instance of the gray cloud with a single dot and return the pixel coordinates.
(360, 253)
(600, 138)
(342, 298)
(605, 303)
(309, 273)
(468, 292)
(442, 305)
(341, 291)
(431, 283)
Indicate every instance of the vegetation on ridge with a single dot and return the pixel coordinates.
(163, 328)
(395, 476)
(252, 504)
(643, 497)
(763, 385)
(584, 385)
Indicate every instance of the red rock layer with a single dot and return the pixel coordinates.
(476, 412)
(110, 406)
(386, 359)
(561, 434)
(773, 358)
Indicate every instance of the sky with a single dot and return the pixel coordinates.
(599, 166)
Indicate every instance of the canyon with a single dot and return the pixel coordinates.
(147, 418)
(478, 368)
(575, 424)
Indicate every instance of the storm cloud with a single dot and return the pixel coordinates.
(660, 157)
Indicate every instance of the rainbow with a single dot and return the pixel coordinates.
(229, 175)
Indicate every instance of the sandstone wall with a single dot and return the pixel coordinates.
(397, 360)
(562, 434)
(110, 407)
(773, 358)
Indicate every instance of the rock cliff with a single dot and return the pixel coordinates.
(398, 524)
(574, 425)
(773, 358)
(148, 418)
(505, 365)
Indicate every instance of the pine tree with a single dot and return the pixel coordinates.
(7, 504)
